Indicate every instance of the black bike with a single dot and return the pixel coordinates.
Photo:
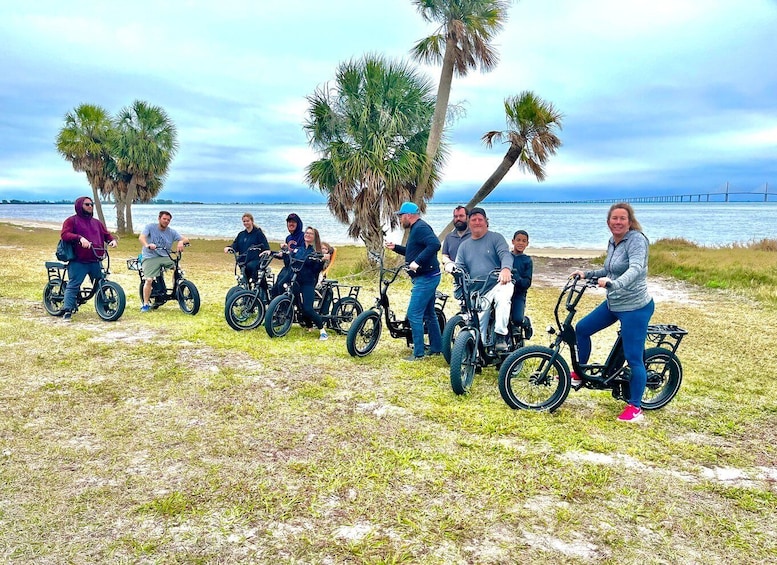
(338, 312)
(264, 275)
(181, 289)
(246, 303)
(365, 332)
(109, 298)
(538, 377)
(472, 351)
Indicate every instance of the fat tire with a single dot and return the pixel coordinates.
(232, 291)
(279, 316)
(463, 362)
(244, 310)
(449, 334)
(664, 377)
(364, 334)
(110, 301)
(188, 297)
(54, 297)
(518, 383)
(344, 313)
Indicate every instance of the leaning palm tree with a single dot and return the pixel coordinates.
(371, 129)
(532, 125)
(143, 148)
(461, 43)
(83, 142)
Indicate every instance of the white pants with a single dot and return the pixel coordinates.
(502, 295)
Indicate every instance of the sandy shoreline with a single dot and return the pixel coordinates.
(552, 252)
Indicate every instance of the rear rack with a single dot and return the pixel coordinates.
(668, 336)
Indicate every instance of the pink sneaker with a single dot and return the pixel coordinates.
(631, 414)
(575, 380)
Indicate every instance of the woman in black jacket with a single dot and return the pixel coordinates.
(307, 278)
(251, 236)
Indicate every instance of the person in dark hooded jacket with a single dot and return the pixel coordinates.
(295, 239)
(83, 231)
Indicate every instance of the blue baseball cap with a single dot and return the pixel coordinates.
(408, 208)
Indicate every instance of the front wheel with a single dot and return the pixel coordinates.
(463, 362)
(188, 297)
(529, 380)
(232, 291)
(449, 334)
(345, 312)
(364, 334)
(244, 310)
(279, 316)
(54, 297)
(664, 376)
(110, 301)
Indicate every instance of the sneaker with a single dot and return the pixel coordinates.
(412, 358)
(631, 414)
(323, 337)
(145, 308)
(67, 316)
(576, 381)
(501, 344)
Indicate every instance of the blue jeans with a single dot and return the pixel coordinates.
(633, 333)
(420, 311)
(76, 273)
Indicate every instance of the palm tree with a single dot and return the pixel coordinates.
(371, 128)
(461, 43)
(143, 148)
(83, 142)
(532, 124)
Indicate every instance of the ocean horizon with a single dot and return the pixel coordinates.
(550, 225)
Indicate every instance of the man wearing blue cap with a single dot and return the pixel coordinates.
(421, 258)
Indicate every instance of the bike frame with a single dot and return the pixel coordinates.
(600, 375)
(263, 269)
(397, 328)
(58, 270)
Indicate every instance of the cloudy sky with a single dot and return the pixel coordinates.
(658, 97)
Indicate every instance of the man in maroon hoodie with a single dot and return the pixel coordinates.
(83, 232)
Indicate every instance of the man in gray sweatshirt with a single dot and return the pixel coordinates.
(484, 252)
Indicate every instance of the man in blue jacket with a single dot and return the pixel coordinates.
(424, 268)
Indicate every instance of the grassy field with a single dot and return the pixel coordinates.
(166, 438)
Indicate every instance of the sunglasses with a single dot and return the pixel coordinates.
(88, 203)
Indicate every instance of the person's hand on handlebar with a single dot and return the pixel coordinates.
(450, 266)
(505, 276)
(579, 274)
(180, 246)
(113, 243)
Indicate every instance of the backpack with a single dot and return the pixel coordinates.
(65, 251)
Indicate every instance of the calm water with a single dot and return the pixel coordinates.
(581, 226)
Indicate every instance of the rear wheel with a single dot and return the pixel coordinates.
(463, 362)
(449, 334)
(364, 334)
(279, 316)
(110, 301)
(244, 310)
(664, 376)
(54, 297)
(345, 312)
(188, 297)
(528, 379)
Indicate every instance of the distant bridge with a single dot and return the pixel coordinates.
(721, 196)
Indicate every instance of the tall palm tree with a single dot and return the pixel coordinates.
(83, 142)
(145, 143)
(532, 124)
(371, 129)
(461, 43)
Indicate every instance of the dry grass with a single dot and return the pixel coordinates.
(164, 438)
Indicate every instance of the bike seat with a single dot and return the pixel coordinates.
(55, 265)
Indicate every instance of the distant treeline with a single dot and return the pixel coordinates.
(160, 201)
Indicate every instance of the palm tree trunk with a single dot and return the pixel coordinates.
(120, 225)
(424, 190)
(491, 183)
(131, 193)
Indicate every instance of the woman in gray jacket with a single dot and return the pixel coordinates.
(625, 277)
